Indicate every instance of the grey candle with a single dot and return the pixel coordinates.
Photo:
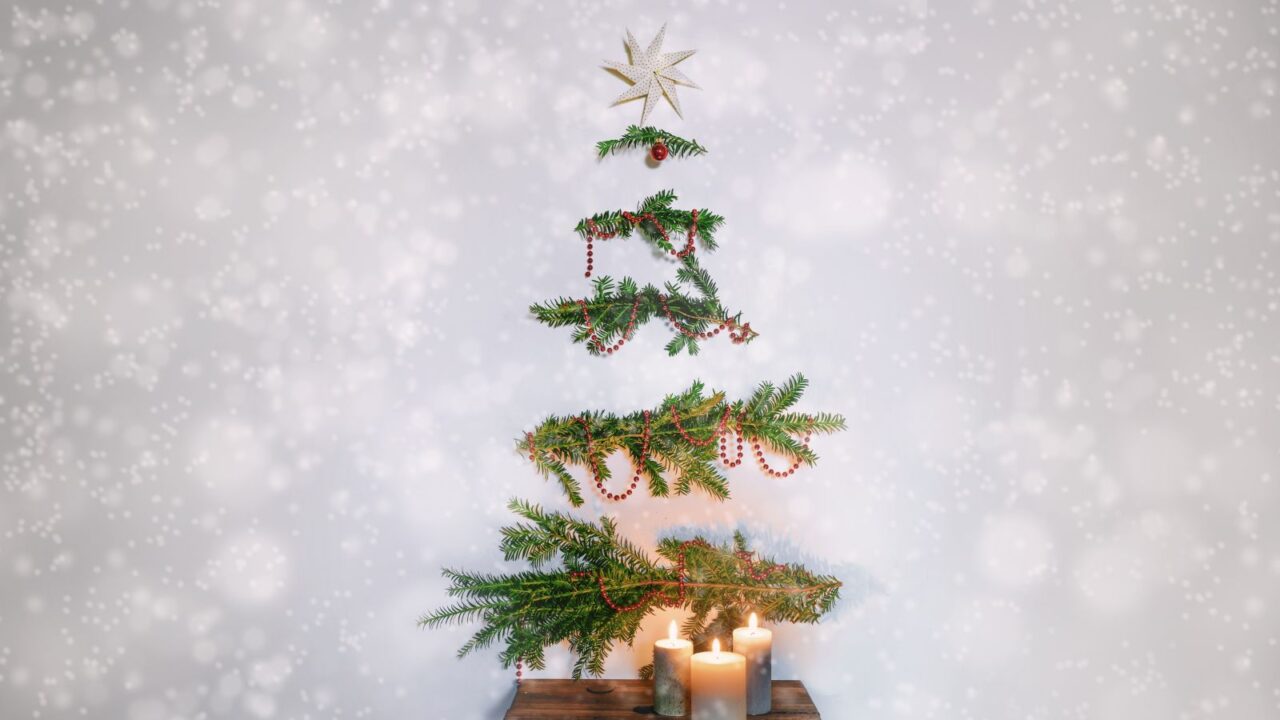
(756, 645)
(671, 659)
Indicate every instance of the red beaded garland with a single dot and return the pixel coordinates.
(595, 233)
(644, 455)
(758, 575)
(741, 337)
(595, 470)
(727, 323)
(764, 464)
(675, 417)
(591, 461)
(724, 448)
(626, 333)
(689, 236)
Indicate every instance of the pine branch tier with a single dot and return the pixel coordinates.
(654, 219)
(683, 438)
(603, 587)
(607, 319)
(646, 137)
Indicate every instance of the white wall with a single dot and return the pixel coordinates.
(266, 347)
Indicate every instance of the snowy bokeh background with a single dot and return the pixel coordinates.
(266, 349)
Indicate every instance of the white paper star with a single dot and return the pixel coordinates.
(652, 73)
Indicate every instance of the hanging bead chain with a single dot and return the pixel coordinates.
(737, 333)
(748, 559)
(724, 447)
(638, 468)
(764, 464)
(595, 233)
(595, 340)
(591, 460)
(675, 417)
(681, 574)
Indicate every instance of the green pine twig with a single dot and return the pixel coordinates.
(646, 137)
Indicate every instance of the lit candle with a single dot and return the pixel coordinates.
(671, 658)
(719, 685)
(756, 645)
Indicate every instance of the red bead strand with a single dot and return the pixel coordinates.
(693, 232)
(591, 461)
(748, 558)
(764, 464)
(595, 472)
(675, 417)
(595, 340)
(595, 233)
(644, 456)
(724, 448)
(680, 571)
(638, 468)
(743, 331)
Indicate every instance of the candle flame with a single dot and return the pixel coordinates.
(753, 622)
(671, 630)
(715, 646)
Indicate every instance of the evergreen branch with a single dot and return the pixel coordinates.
(646, 137)
(550, 467)
(672, 458)
(695, 275)
(532, 610)
(610, 310)
(614, 222)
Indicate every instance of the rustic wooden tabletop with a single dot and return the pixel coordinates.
(612, 699)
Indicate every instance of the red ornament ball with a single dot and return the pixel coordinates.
(659, 151)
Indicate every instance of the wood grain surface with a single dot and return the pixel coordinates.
(612, 699)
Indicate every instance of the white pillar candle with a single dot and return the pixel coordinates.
(671, 660)
(719, 685)
(756, 645)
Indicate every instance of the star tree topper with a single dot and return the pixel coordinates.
(652, 73)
